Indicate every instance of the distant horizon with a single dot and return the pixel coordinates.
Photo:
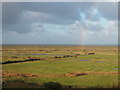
(60, 44)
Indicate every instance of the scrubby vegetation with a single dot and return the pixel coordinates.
(60, 66)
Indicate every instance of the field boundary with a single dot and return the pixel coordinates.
(73, 74)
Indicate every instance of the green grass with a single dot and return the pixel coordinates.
(61, 66)
(80, 82)
(105, 60)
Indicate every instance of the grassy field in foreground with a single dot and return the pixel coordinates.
(75, 66)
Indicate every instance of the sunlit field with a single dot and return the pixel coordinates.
(68, 66)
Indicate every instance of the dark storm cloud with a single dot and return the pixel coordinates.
(58, 13)
(16, 19)
(20, 28)
(10, 12)
(108, 10)
(62, 10)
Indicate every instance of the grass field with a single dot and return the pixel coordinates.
(70, 66)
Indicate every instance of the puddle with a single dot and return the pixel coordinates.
(115, 68)
(90, 60)
(84, 60)
(29, 54)
(98, 61)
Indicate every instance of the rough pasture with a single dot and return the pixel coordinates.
(75, 66)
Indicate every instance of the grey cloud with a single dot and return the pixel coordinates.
(86, 25)
(17, 16)
(45, 18)
(108, 10)
(61, 10)
(22, 27)
(95, 27)
(19, 28)
(10, 12)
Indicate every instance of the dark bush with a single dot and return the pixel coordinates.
(52, 85)
(14, 57)
(64, 56)
(55, 57)
(91, 53)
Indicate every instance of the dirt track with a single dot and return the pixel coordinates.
(74, 74)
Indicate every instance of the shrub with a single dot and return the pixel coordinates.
(52, 85)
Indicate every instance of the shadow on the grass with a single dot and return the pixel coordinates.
(20, 84)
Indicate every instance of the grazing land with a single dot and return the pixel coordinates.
(71, 66)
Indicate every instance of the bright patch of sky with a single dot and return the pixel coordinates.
(103, 22)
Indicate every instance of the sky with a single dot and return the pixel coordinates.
(76, 23)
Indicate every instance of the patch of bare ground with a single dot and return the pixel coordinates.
(73, 74)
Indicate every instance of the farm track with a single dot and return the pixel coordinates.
(74, 74)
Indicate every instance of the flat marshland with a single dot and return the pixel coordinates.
(33, 66)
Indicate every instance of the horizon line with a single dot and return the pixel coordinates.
(64, 44)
